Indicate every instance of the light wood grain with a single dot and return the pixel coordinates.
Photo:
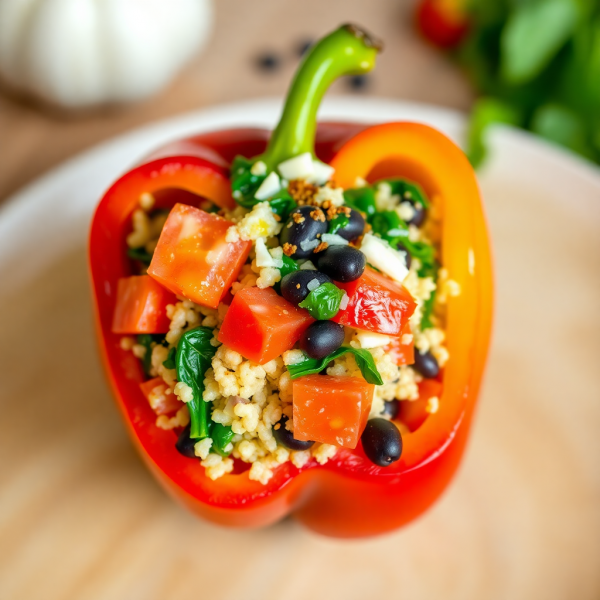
(81, 518)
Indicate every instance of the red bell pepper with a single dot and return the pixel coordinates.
(348, 496)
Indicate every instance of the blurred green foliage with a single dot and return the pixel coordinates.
(536, 64)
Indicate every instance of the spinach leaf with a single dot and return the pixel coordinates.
(426, 322)
(323, 302)
(193, 358)
(364, 361)
(243, 183)
(361, 199)
(282, 204)
(408, 191)
(388, 225)
(221, 436)
(148, 340)
(338, 222)
(289, 266)
(170, 362)
(140, 254)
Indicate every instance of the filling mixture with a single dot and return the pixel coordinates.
(304, 320)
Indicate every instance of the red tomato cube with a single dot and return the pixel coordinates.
(261, 325)
(376, 304)
(414, 412)
(141, 306)
(402, 351)
(331, 410)
(192, 258)
(160, 402)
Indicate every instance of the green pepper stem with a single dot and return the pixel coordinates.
(349, 50)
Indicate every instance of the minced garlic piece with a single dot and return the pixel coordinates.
(260, 222)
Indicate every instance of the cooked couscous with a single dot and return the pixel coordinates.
(397, 238)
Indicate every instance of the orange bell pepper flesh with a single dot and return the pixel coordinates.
(348, 496)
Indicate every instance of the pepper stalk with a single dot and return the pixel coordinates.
(349, 50)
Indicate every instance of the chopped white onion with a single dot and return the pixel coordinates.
(322, 173)
(307, 266)
(383, 257)
(269, 187)
(299, 167)
(313, 284)
(369, 339)
(263, 258)
(344, 301)
(309, 244)
(333, 239)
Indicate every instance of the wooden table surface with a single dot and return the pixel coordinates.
(81, 518)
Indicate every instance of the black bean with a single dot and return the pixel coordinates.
(322, 338)
(286, 438)
(304, 224)
(426, 364)
(304, 46)
(391, 408)
(382, 442)
(294, 286)
(402, 248)
(420, 212)
(185, 444)
(268, 61)
(341, 263)
(358, 82)
(355, 227)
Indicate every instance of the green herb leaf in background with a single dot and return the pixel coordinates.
(193, 358)
(562, 126)
(323, 302)
(486, 112)
(148, 340)
(532, 36)
(221, 436)
(364, 361)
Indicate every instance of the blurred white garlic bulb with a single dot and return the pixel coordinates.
(84, 52)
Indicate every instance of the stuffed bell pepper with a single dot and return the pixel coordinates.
(297, 321)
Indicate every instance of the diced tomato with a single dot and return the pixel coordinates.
(403, 353)
(160, 402)
(331, 409)
(376, 304)
(261, 325)
(192, 258)
(414, 412)
(141, 306)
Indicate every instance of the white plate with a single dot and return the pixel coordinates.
(521, 519)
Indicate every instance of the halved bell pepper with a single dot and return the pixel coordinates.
(348, 496)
